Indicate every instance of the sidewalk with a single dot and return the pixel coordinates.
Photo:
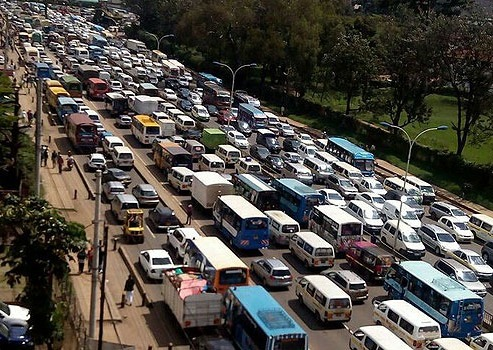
(121, 326)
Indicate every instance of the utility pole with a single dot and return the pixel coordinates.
(95, 260)
(38, 134)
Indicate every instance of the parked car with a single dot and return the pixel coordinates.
(9, 312)
(259, 152)
(290, 145)
(96, 161)
(146, 194)
(154, 262)
(116, 174)
(291, 157)
(332, 197)
(472, 260)
(15, 336)
(272, 272)
(437, 239)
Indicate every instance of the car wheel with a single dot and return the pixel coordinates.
(485, 257)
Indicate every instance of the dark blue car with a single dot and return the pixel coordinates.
(16, 336)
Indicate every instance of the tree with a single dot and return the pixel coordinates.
(352, 64)
(464, 47)
(407, 62)
(39, 253)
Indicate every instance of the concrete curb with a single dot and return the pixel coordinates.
(139, 282)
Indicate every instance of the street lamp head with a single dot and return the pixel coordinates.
(218, 63)
(386, 124)
(442, 127)
(252, 65)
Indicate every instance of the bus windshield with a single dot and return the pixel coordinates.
(236, 276)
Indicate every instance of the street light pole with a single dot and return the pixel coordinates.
(411, 144)
(158, 40)
(233, 73)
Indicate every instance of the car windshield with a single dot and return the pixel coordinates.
(335, 196)
(445, 237)
(310, 151)
(346, 183)
(411, 238)
(378, 200)
(467, 276)
(161, 261)
(376, 186)
(409, 215)
(461, 226)
(240, 137)
(305, 137)
(371, 214)
(457, 212)
(476, 260)
(149, 193)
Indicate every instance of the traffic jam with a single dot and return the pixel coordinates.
(292, 238)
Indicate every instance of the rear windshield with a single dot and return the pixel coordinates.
(339, 303)
(281, 272)
(324, 252)
(290, 228)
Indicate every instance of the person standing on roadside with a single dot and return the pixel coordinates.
(60, 162)
(189, 214)
(90, 256)
(129, 290)
(81, 259)
(54, 158)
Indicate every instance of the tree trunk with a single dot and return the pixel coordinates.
(349, 97)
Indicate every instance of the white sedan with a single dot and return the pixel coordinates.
(306, 139)
(199, 112)
(373, 199)
(237, 139)
(13, 313)
(472, 260)
(154, 262)
(332, 197)
(195, 98)
(96, 161)
(169, 95)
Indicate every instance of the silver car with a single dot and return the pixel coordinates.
(272, 272)
(146, 194)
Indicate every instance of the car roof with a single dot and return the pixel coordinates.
(146, 186)
(275, 263)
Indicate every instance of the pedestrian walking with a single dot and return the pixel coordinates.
(189, 214)
(54, 158)
(30, 117)
(44, 156)
(90, 256)
(60, 162)
(81, 259)
(129, 290)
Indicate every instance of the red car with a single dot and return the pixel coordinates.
(227, 115)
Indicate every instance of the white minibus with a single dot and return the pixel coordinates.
(281, 226)
(376, 337)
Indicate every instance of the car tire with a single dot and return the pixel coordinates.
(485, 257)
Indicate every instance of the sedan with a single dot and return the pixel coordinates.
(285, 130)
(226, 128)
(290, 145)
(437, 239)
(115, 85)
(15, 335)
(291, 157)
(154, 262)
(96, 161)
(306, 139)
(213, 111)
(169, 94)
(116, 174)
(373, 199)
(226, 116)
(146, 194)
(123, 121)
(13, 313)
(199, 112)
(458, 229)
(183, 92)
(275, 162)
(332, 197)
(259, 152)
(472, 260)
(195, 98)
(272, 272)
(112, 188)
(237, 139)
(185, 105)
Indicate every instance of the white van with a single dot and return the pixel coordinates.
(211, 162)
(184, 122)
(122, 156)
(324, 298)
(325, 157)
(426, 189)
(482, 342)
(174, 113)
(180, 178)
(348, 171)
(307, 150)
(195, 148)
(229, 154)
(281, 226)
(391, 210)
(311, 249)
(447, 344)
(407, 322)
(165, 107)
(395, 183)
(482, 226)
(368, 215)
(109, 142)
(407, 242)
(376, 338)
(319, 169)
(121, 203)
(81, 53)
